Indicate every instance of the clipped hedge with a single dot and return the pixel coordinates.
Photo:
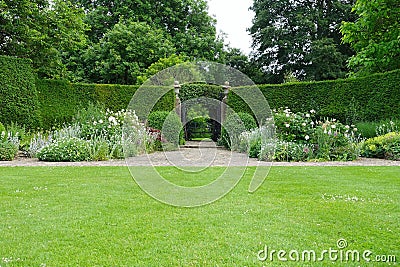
(371, 98)
(18, 96)
(196, 90)
(169, 124)
(60, 100)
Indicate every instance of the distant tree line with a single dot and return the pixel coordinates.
(125, 41)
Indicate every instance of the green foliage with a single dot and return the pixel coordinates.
(161, 64)
(198, 128)
(367, 129)
(371, 98)
(42, 32)
(187, 22)
(72, 149)
(197, 90)
(169, 124)
(126, 37)
(291, 151)
(294, 127)
(9, 144)
(60, 100)
(350, 100)
(373, 129)
(385, 146)
(18, 95)
(125, 52)
(374, 36)
(299, 137)
(2, 128)
(8, 150)
(233, 126)
(301, 37)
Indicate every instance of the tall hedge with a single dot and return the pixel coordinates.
(197, 90)
(18, 96)
(369, 98)
(362, 99)
(60, 100)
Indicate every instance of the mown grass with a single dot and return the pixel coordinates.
(98, 216)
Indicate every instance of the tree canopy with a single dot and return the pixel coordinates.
(191, 29)
(375, 36)
(125, 52)
(41, 31)
(302, 37)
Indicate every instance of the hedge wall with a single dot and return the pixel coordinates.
(60, 100)
(18, 96)
(369, 98)
(48, 102)
(196, 90)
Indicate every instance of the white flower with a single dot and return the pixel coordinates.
(113, 120)
(312, 111)
(303, 124)
(312, 123)
(333, 126)
(287, 115)
(100, 121)
(95, 123)
(308, 115)
(287, 125)
(355, 129)
(306, 137)
(347, 127)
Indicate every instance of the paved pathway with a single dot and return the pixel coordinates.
(207, 154)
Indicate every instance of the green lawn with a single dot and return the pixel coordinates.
(98, 216)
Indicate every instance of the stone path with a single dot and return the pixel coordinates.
(206, 154)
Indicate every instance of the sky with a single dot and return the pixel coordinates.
(233, 18)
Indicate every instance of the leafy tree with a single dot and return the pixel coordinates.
(235, 58)
(301, 37)
(191, 29)
(125, 52)
(375, 36)
(161, 64)
(42, 32)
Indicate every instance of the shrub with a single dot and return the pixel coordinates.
(373, 129)
(290, 151)
(367, 129)
(104, 140)
(8, 150)
(233, 126)
(294, 127)
(170, 125)
(257, 142)
(9, 145)
(299, 137)
(386, 146)
(72, 149)
(2, 128)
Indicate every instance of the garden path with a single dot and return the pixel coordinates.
(200, 154)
